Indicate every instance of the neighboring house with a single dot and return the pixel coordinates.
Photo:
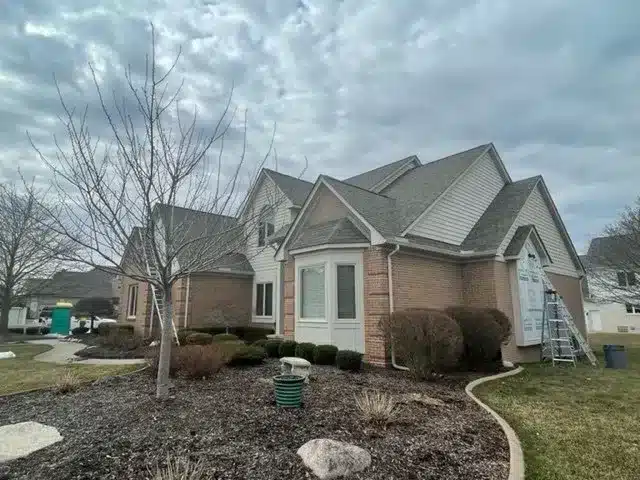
(612, 290)
(330, 260)
(70, 286)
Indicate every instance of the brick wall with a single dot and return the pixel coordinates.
(479, 284)
(216, 299)
(376, 304)
(289, 298)
(141, 320)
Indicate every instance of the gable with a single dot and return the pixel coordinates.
(453, 215)
(326, 207)
(536, 211)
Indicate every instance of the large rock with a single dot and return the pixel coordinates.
(332, 459)
(21, 439)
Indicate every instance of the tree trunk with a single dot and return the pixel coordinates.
(166, 340)
(5, 308)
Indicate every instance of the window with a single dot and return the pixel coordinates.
(627, 279)
(312, 292)
(264, 299)
(346, 279)
(265, 227)
(632, 308)
(132, 301)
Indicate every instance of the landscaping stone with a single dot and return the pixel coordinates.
(7, 355)
(329, 459)
(295, 366)
(20, 439)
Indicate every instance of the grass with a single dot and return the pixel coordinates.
(575, 423)
(24, 373)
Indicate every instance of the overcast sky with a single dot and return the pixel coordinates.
(353, 85)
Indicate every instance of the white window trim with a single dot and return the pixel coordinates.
(265, 318)
(355, 273)
(635, 309)
(626, 279)
(130, 289)
(299, 269)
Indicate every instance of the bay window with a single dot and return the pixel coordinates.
(312, 292)
(264, 299)
(346, 282)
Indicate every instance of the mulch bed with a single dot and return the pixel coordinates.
(115, 429)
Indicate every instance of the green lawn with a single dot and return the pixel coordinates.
(575, 423)
(24, 373)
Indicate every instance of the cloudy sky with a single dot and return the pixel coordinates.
(355, 84)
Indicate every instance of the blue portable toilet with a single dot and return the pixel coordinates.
(61, 318)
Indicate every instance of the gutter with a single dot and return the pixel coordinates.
(391, 305)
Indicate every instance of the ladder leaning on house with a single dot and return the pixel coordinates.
(158, 301)
(559, 329)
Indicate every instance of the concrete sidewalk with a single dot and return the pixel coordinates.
(64, 353)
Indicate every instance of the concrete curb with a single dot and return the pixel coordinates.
(516, 459)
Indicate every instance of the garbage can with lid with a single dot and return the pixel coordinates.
(615, 356)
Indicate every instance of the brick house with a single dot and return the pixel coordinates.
(333, 258)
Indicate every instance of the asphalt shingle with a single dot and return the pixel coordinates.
(296, 189)
(368, 180)
(332, 232)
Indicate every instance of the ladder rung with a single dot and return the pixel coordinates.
(560, 340)
(564, 360)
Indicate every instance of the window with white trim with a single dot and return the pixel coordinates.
(346, 283)
(132, 301)
(312, 298)
(266, 225)
(627, 279)
(264, 299)
(632, 308)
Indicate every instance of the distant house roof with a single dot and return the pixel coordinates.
(616, 251)
(295, 189)
(69, 284)
(339, 231)
(370, 179)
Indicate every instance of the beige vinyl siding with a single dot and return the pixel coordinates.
(326, 207)
(537, 212)
(454, 214)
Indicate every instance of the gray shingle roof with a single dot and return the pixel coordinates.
(280, 233)
(294, 188)
(69, 284)
(617, 251)
(494, 224)
(420, 187)
(368, 180)
(332, 232)
(518, 240)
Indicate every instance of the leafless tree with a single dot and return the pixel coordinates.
(28, 245)
(159, 199)
(613, 262)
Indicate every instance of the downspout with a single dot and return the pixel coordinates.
(391, 306)
(186, 301)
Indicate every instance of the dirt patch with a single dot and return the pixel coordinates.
(115, 429)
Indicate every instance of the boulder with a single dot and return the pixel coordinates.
(20, 439)
(332, 459)
(7, 355)
(295, 366)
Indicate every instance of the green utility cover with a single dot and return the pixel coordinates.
(61, 320)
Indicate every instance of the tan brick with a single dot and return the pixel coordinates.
(216, 299)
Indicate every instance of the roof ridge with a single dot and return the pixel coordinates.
(485, 145)
(355, 186)
(269, 170)
(193, 210)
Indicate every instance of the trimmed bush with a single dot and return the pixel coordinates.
(199, 361)
(183, 334)
(224, 337)
(349, 360)
(305, 350)
(325, 354)
(272, 346)
(244, 355)
(198, 338)
(211, 330)
(260, 343)
(250, 333)
(287, 348)
(481, 334)
(120, 339)
(504, 322)
(105, 328)
(79, 331)
(427, 341)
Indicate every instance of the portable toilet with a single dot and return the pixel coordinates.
(61, 318)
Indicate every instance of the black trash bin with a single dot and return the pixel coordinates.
(615, 356)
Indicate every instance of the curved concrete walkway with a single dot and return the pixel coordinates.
(64, 353)
(516, 460)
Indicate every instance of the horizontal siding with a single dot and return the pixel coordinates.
(454, 215)
(326, 207)
(536, 212)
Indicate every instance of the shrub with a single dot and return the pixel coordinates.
(211, 330)
(247, 355)
(100, 306)
(200, 361)
(305, 350)
(79, 331)
(183, 334)
(198, 338)
(427, 341)
(504, 322)
(260, 343)
(67, 382)
(179, 469)
(349, 360)
(250, 333)
(153, 358)
(376, 408)
(224, 337)
(272, 346)
(31, 330)
(106, 327)
(325, 354)
(45, 330)
(120, 339)
(481, 334)
(287, 348)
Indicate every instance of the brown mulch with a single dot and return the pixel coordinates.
(115, 429)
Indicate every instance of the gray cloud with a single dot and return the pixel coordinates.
(352, 85)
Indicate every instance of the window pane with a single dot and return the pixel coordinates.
(270, 229)
(261, 228)
(259, 299)
(631, 278)
(346, 291)
(312, 292)
(268, 299)
(622, 279)
(629, 308)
